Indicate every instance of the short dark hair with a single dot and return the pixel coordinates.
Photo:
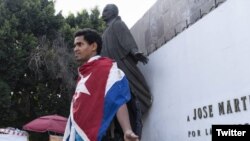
(91, 36)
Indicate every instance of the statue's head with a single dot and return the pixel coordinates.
(109, 12)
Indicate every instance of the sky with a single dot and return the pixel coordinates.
(129, 10)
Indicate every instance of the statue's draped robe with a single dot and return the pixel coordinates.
(119, 44)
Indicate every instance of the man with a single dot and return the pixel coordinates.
(119, 44)
(101, 93)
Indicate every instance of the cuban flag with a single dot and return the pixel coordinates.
(101, 89)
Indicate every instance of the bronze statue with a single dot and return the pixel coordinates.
(119, 44)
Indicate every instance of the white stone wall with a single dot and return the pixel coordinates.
(206, 68)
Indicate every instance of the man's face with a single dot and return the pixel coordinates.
(108, 13)
(83, 50)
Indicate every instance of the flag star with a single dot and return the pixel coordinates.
(81, 87)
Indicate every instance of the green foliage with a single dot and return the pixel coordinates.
(5, 105)
(38, 71)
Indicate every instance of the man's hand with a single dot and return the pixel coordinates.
(129, 135)
(140, 57)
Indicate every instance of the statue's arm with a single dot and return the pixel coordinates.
(127, 41)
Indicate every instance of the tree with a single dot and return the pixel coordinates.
(38, 71)
(22, 24)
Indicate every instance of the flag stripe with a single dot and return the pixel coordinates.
(114, 75)
(73, 132)
(116, 96)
